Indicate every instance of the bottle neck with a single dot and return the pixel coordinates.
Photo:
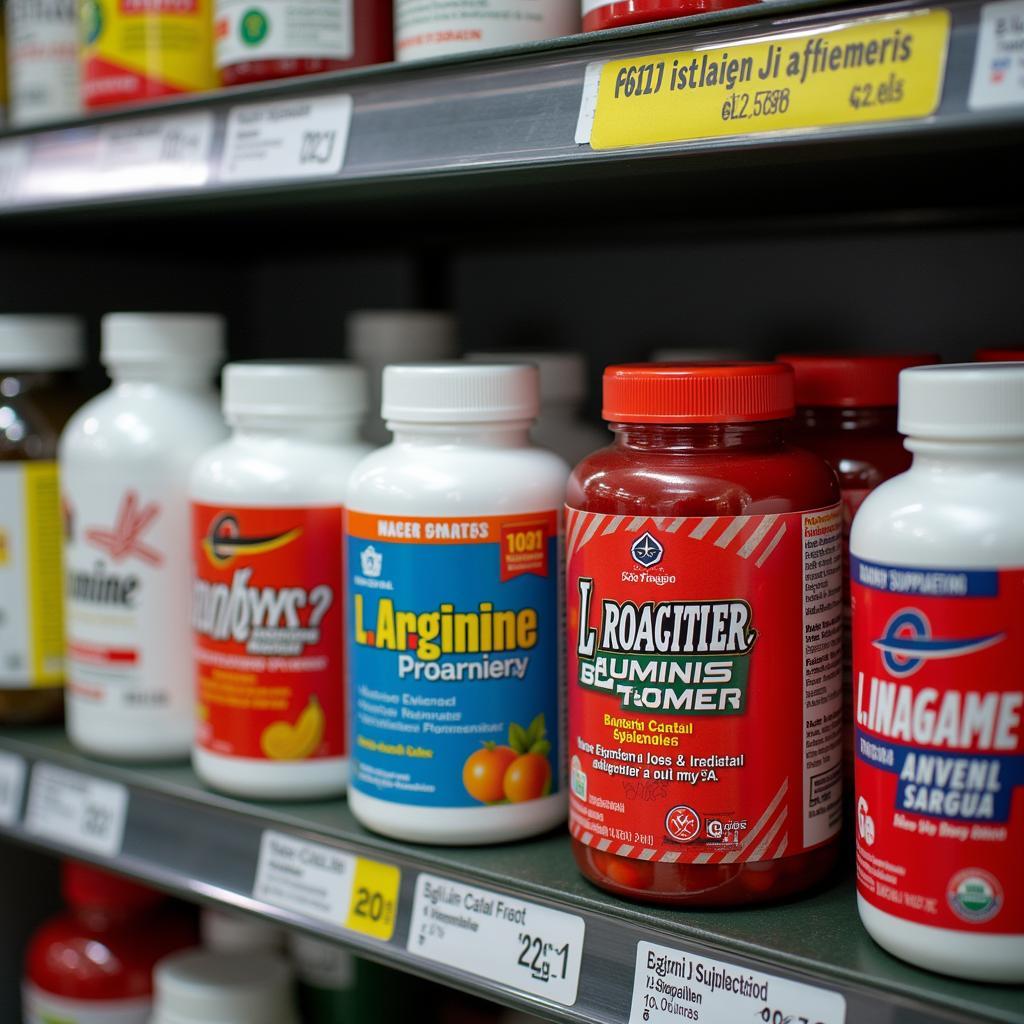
(691, 437)
(312, 430)
(956, 457)
(478, 435)
(880, 418)
(183, 376)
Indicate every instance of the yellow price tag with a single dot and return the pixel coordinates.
(882, 69)
(374, 903)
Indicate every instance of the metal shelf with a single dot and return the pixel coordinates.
(183, 838)
(511, 111)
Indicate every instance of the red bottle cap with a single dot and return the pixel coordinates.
(697, 392)
(86, 886)
(999, 355)
(847, 381)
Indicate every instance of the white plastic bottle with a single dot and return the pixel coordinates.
(42, 61)
(453, 608)
(563, 387)
(937, 575)
(125, 457)
(225, 931)
(267, 595)
(375, 338)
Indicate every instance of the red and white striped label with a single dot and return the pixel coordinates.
(704, 684)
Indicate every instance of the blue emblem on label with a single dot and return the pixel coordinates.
(647, 550)
(908, 643)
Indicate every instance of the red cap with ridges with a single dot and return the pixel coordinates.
(846, 381)
(697, 392)
(999, 355)
(86, 886)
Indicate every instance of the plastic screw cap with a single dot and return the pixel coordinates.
(392, 336)
(461, 392)
(35, 342)
(847, 380)
(319, 389)
(963, 402)
(141, 338)
(563, 375)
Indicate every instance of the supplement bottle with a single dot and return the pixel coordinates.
(223, 931)
(37, 395)
(198, 987)
(94, 964)
(285, 38)
(999, 355)
(453, 612)
(563, 387)
(267, 592)
(846, 413)
(375, 338)
(42, 61)
(704, 604)
(436, 28)
(134, 51)
(598, 14)
(937, 571)
(125, 458)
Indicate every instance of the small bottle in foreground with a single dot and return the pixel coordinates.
(37, 396)
(125, 457)
(599, 14)
(937, 579)
(704, 604)
(267, 593)
(453, 612)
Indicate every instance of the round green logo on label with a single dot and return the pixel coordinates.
(253, 27)
(975, 895)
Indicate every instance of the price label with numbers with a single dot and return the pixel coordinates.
(76, 810)
(12, 785)
(879, 69)
(300, 138)
(13, 161)
(155, 153)
(667, 983)
(374, 905)
(531, 948)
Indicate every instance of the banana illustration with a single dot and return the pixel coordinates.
(282, 741)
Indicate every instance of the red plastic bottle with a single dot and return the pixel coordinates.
(283, 39)
(999, 355)
(598, 14)
(94, 964)
(846, 413)
(703, 553)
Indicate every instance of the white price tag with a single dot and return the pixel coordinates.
(305, 878)
(300, 138)
(670, 986)
(508, 940)
(13, 160)
(155, 153)
(588, 104)
(12, 784)
(998, 77)
(76, 810)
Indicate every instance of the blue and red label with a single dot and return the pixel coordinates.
(939, 708)
(454, 667)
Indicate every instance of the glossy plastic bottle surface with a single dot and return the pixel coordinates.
(599, 14)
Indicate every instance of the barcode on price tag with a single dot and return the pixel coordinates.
(301, 138)
(670, 986)
(155, 153)
(76, 810)
(13, 160)
(507, 940)
(12, 784)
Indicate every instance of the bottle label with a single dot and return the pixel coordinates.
(704, 682)
(126, 591)
(31, 605)
(939, 706)
(40, 1007)
(42, 59)
(267, 617)
(283, 30)
(432, 28)
(135, 50)
(454, 661)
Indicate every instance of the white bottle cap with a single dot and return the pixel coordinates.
(34, 342)
(322, 964)
(461, 392)
(395, 336)
(963, 402)
(223, 988)
(224, 932)
(563, 375)
(310, 389)
(139, 339)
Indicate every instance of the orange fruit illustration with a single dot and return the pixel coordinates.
(527, 778)
(484, 772)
